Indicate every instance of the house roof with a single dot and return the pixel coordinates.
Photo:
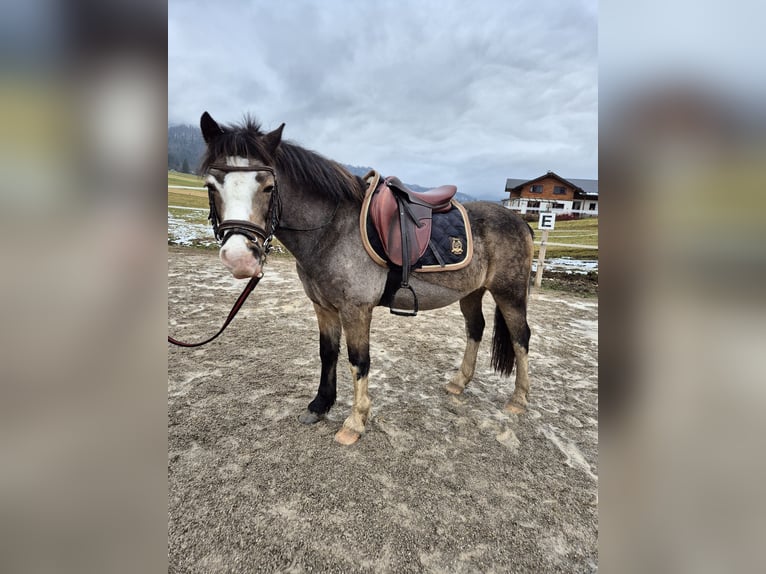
(588, 187)
(511, 183)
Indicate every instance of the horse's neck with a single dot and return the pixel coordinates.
(306, 218)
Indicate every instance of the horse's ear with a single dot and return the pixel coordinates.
(210, 128)
(272, 139)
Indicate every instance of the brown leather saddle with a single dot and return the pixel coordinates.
(402, 217)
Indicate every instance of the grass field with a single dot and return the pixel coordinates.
(579, 231)
(176, 178)
(186, 197)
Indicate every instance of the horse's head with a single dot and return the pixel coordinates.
(242, 185)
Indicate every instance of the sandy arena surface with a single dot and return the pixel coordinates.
(437, 484)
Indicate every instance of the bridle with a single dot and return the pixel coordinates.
(224, 229)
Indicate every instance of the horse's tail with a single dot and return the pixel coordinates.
(502, 347)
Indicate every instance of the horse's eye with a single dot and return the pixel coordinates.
(268, 189)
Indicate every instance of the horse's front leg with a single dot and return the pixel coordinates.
(356, 324)
(329, 346)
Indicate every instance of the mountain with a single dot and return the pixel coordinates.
(186, 147)
(362, 171)
(459, 196)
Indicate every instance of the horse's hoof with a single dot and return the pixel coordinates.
(454, 389)
(515, 408)
(309, 417)
(346, 437)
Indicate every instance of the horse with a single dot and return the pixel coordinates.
(261, 185)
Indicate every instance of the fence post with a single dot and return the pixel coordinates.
(541, 259)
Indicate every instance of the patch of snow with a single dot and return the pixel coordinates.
(568, 265)
(185, 229)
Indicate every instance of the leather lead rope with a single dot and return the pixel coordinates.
(234, 310)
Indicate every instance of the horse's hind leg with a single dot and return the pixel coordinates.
(329, 345)
(356, 324)
(470, 305)
(510, 343)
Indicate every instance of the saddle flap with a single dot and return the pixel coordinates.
(383, 210)
(388, 219)
(416, 236)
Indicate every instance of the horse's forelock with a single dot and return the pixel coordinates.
(242, 140)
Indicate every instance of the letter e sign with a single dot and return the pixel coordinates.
(547, 221)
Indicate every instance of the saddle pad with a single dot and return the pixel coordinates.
(451, 238)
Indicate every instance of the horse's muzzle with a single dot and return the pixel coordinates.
(241, 257)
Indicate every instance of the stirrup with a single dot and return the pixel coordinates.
(406, 312)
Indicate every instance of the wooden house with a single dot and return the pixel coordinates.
(551, 192)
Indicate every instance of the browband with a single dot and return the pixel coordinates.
(225, 167)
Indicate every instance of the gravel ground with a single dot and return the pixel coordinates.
(438, 483)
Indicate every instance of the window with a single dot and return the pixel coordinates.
(576, 205)
(533, 204)
(558, 205)
(536, 189)
(592, 207)
(559, 190)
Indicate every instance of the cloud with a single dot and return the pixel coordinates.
(435, 92)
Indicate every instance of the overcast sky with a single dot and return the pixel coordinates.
(435, 92)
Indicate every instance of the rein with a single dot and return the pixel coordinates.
(234, 310)
(223, 230)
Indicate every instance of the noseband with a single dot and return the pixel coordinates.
(224, 229)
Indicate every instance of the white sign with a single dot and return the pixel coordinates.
(547, 221)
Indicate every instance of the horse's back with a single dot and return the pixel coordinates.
(505, 241)
(493, 221)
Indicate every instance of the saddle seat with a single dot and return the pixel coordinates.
(438, 198)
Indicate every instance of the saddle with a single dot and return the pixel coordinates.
(402, 218)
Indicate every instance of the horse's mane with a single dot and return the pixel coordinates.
(303, 167)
